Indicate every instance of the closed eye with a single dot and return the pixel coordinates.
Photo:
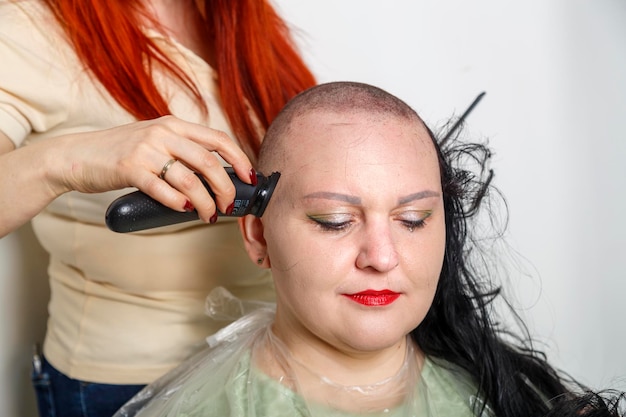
(415, 219)
(332, 223)
(411, 225)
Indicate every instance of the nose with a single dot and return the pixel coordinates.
(378, 248)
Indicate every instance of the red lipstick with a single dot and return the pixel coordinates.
(374, 298)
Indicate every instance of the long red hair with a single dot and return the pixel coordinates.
(258, 65)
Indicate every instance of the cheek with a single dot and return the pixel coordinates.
(306, 270)
(438, 252)
(426, 257)
(299, 280)
(287, 250)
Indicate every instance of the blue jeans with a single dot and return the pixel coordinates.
(60, 396)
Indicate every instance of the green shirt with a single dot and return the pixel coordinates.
(441, 392)
(223, 381)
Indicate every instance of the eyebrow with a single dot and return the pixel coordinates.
(356, 200)
(418, 196)
(334, 196)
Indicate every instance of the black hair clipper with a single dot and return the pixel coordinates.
(137, 211)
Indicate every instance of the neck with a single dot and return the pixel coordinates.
(345, 365)
(184, 21)
(345, 381)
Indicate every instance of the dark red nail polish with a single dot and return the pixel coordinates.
(188, 206)
(213, 218)
(253, 177)
(229, 209)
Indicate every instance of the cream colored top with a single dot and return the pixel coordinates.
(125, 308)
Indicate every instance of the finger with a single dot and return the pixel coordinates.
(214, 140)
(197, 148)
(207, 163)
(161, 191)
(192, 193)
(187, 182)
(181, 176)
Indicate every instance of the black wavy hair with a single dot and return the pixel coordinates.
(608, 403)
(512, 378)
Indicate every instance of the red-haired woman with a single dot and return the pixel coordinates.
(99, 96)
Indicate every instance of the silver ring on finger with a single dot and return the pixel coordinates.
(166, 167)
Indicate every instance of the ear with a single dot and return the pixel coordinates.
(251, 228)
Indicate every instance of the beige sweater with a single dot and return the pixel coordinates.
(125, 308)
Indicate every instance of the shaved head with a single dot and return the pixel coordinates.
(334, 97)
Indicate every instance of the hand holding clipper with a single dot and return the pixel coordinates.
(137, 211)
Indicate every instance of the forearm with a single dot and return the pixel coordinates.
(27, 185)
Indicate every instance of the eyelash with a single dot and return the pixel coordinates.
(411, 225)
(328, 226)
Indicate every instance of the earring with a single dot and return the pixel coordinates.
(259, 261)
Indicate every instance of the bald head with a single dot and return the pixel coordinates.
(359, 177)
(335, 97)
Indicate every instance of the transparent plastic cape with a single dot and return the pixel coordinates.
(246, 371)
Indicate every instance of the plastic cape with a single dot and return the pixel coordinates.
(246, 371)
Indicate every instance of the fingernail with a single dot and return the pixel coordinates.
(229, 209)
(188, 206)
(213, 218)
(253, 178)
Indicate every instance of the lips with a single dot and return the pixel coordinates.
(374, 298)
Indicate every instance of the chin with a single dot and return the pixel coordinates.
(374, 339)
(376, 347)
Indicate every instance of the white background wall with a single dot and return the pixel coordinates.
(555, 114)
